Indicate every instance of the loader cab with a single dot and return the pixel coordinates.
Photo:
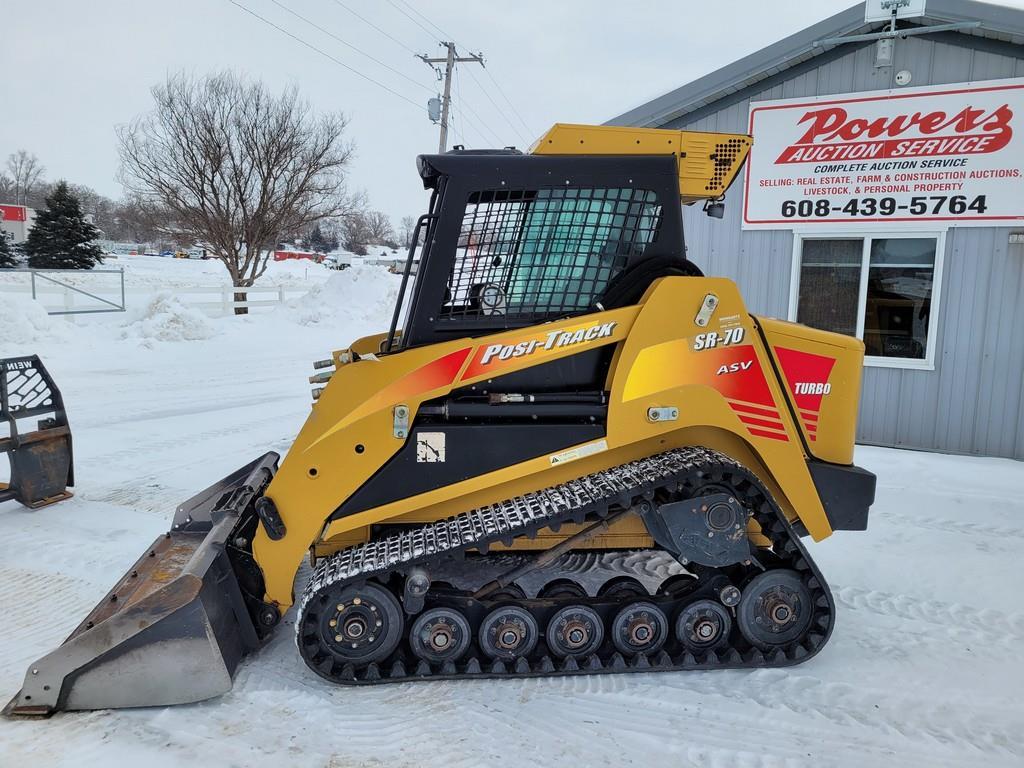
(513, 240)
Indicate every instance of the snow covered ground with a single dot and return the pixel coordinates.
(923, 669)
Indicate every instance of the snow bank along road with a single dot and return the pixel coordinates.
(924, 667)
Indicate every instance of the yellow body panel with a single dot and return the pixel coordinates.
(708, 162)
(663, 358)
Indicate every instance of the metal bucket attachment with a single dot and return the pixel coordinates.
(41, 465)
(174, 628)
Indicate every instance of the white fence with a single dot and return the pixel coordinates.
(82, 293)
(68, 291)
(225, 304)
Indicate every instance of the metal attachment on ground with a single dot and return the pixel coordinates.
(663, 414)
(40, 458)
(317, 391)
(401, 422)
(707, 309)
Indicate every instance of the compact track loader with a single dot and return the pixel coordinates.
(571, 453)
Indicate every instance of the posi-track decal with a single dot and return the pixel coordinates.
(807, 377)
(489, 358)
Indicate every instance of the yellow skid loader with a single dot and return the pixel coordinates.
(571, 453)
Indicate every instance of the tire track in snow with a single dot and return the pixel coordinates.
(641, 713)
(946, 525)
(988, 624)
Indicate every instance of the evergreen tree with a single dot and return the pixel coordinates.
(6, 251)
(315, 240)
(61, 237)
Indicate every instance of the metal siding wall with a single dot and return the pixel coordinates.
(972, 401)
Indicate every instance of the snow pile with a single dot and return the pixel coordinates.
(165, 318)
(354, 295)
(24, 321)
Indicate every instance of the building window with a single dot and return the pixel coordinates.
(882, 289)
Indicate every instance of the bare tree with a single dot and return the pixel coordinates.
(7, 193)
(379, 229)
(406, 229)
(25, 171)
(236, 166)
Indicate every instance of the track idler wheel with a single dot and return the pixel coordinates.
(640, 628)
(575, 630)
(508, 633)
(439, 635)
(775, 609)
(622, 588)
(562, 588)
(703, 626)
(362, 625)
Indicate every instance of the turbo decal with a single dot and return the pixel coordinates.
(490, 357)
(807, 377)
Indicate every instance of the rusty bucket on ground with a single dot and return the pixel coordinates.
(34, 434)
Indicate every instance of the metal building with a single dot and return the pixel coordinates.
(935, 285)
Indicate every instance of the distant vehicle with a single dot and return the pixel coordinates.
(290, 255)
(153, 253)
(166, 253)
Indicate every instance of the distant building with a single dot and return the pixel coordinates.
(16, 220)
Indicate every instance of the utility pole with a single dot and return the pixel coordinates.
(449, 61)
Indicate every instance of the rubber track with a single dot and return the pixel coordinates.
(598, 494)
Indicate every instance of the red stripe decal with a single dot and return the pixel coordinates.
(762, 422)
(811, 427)
(809, 416)
(751, 409)
(772, 435)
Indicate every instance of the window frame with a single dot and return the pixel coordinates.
(866, 236)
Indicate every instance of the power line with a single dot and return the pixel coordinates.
(382, 31)
(501, 111)
(327, 32)
(444, 35)
(312, 47)
(507, 99)
(410, 18)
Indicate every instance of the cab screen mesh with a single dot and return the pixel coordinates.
(530, 254)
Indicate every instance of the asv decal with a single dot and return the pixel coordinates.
(734, 367)
(552, 340)
(811, 388)
(713, 339)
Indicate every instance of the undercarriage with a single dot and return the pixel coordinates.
(431, 602)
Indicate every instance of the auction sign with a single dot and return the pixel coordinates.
(936, 154)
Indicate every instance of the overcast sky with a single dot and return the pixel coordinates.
(73, 70)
